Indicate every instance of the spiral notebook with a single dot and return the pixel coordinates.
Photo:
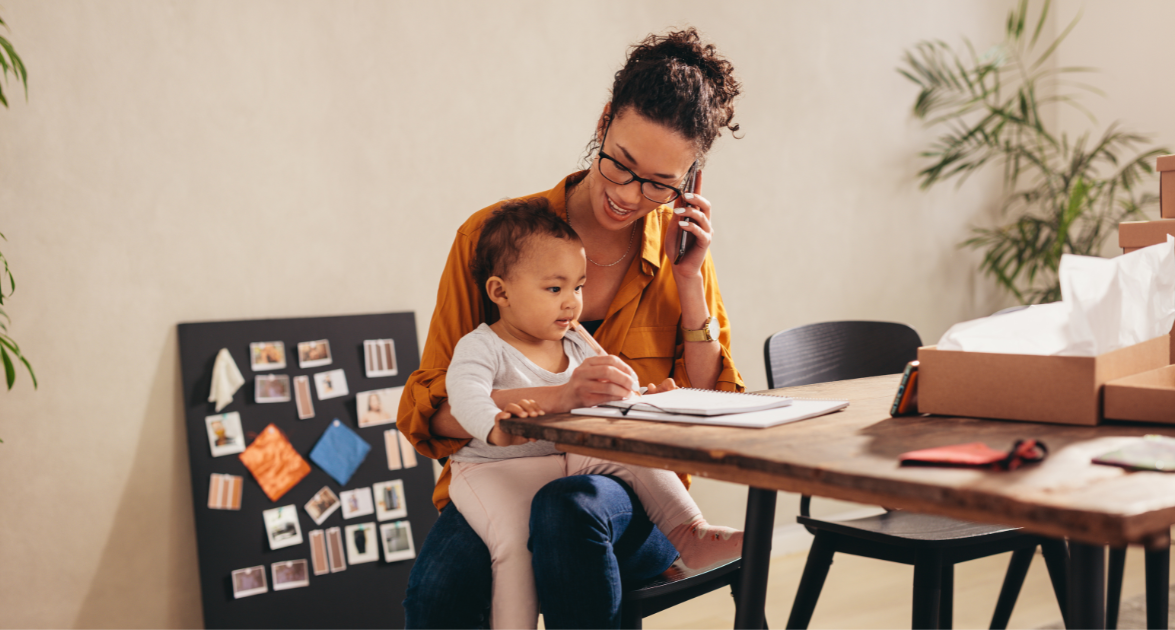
(701, 402)
(799, 409)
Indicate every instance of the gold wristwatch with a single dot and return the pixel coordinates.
(708, 332)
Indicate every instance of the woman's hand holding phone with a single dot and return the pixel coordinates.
(692, 212)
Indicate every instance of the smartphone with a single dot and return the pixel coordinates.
(693, 183)
(905, 402)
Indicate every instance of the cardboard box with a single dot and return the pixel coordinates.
(1061, 390)
(1143, 397)
(1135, 234)
(1166, 167)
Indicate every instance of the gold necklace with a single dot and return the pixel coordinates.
(631, 238)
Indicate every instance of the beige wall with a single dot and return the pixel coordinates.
(188, 161)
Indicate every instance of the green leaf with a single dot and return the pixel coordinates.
(5, 340)
(28, 366)
(1044, 13)
(1057, 42)
(17, 65)
(9, 369)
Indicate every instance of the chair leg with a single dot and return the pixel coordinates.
(630, 617)
(734, 586)
(1013, 582)
(1158, 579)
(1114, 574)
(1056, 558)
(946, 610)
(927, 588)
(812, 581)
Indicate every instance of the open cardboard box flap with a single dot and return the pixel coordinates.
(1144, 397)
(1133, 235)
(1032, 388)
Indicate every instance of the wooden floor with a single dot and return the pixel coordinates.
(863, 593)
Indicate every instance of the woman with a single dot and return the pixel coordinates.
(589, 535)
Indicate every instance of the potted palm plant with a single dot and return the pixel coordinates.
(1062, 194)
(10, 62)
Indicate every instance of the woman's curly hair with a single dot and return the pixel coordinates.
(679, 82)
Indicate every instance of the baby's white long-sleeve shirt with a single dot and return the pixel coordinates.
(483, 362)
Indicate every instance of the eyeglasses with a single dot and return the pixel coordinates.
(618, 173)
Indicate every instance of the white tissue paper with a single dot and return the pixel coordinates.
(1106, 304)
(226, 380)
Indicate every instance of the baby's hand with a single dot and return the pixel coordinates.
(522, 409)
(665, 386)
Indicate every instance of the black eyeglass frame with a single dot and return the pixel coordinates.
(633, 177)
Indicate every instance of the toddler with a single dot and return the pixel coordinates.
(531, 264)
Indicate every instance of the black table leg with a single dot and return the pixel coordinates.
(760, 524)
(1158, 574)
(1087, 590)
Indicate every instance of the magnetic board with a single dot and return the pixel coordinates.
(366, 595)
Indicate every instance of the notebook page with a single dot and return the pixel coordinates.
(702, 402)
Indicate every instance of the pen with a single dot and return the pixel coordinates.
(591, 341)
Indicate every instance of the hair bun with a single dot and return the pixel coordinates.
(681, 82)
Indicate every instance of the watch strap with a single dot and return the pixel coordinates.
(699, 335)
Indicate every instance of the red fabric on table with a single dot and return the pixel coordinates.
(977, 454)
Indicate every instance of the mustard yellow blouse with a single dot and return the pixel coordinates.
(642, 325)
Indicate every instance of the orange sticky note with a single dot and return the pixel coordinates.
(275, 464)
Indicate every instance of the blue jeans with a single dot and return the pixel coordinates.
(590, 539)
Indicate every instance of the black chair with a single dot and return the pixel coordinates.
(676, 585)
(834, 351)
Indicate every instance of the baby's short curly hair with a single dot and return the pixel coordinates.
(507, 233)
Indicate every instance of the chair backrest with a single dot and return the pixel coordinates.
(836, 351)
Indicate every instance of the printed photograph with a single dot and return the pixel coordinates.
(272, 388)
(322, 504)
(314, 353)
(302, 397)
(361, 543)
(224, 492)
(318, 552)
(392, 449)
(379, 356)
(267, 355)
(389, 500)
(331, 384)
(407, 451)
(334, 550)
(357, 502)
(281, 527)
(290, 574)
(397, 541)
(249, 581)
(378, 406)
(224, 433)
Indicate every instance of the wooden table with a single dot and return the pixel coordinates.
(852, 455)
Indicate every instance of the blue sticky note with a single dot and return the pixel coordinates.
(339, 452)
